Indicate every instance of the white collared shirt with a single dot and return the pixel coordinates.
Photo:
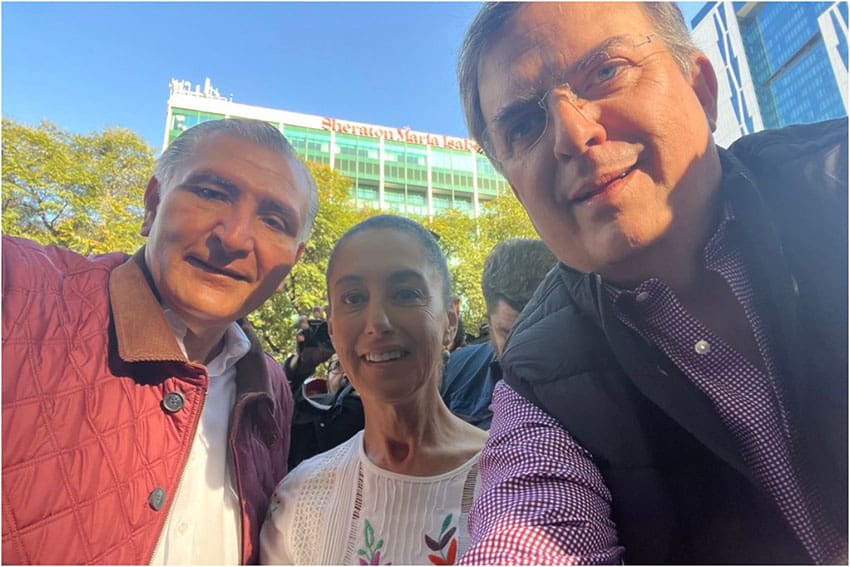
(204, 523)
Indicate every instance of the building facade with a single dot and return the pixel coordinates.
(777, 63)
(391, 169)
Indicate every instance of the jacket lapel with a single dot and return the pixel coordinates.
(142, 333)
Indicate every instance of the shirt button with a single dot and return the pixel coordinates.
(702, 347)
(642, 296)
(173, 402)
(157, 499)
(182, 527)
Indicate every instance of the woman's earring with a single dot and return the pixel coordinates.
(446, 355)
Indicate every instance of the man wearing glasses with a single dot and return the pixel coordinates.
(677, 391)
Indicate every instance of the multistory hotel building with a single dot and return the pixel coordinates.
(777, 63)
(392, 169)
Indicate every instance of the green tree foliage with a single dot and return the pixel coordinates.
(466, 243)
(84, 192)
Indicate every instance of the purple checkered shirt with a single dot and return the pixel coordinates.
(543, 500)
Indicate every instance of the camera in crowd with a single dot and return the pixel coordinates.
(312, 333)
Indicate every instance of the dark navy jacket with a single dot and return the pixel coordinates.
(468, 381)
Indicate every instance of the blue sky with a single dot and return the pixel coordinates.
(87, 66)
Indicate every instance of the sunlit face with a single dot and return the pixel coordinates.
(388, 321)
(225, 231)
(501, 319)
(625, 162)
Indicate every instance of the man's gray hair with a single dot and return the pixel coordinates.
(666, 18)
(255, 131)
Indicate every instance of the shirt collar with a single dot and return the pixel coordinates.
(713, 253)
(236, 343)
(144, 335)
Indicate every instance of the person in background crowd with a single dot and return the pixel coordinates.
(312, 348)
(512, 271)
(317, 314)
(337, 379)
(676, 392)
(323, 420)
(303, 333)
(459, 340)
(399, 491)
(142, 422)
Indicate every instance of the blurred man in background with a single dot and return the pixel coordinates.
(512, 271)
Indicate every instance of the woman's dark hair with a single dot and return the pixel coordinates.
(433, 253)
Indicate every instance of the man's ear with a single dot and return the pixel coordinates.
(451, 331)
(298, 253)
(151, 203)
(301, 247)
(704, 83)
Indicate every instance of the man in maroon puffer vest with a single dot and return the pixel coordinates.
(142, 422)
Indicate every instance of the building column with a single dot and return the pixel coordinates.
(168, 118)
(381, 173)
(430, 187)
(833, 29)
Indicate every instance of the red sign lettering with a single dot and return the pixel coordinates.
(399, 135)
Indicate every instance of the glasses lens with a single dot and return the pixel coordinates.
(603, 73)
(518, 133)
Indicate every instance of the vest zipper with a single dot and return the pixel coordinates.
(597, 280)
(180, 479)
(238, 416)
(238, 410)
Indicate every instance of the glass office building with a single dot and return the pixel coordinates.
(391, 169)
(778, 63)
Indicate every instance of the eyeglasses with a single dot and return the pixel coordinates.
(611, 69)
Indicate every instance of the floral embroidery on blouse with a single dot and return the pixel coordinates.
(372, 554)
(439, 545)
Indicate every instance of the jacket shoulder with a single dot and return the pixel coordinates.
(275, 369)
(471, 357)
(28, 264)
(813, 151)
(555, 336)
